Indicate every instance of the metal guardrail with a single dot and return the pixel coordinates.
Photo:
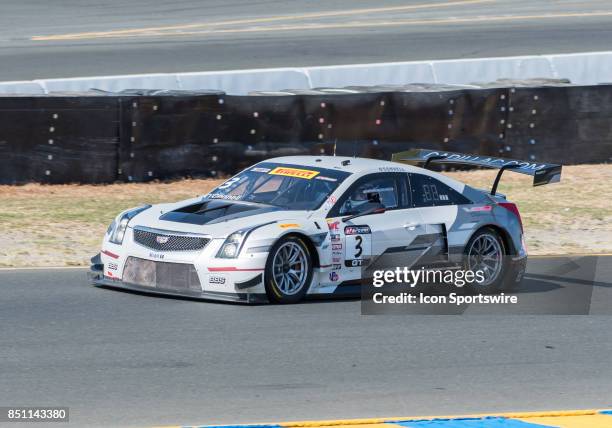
(580, 68)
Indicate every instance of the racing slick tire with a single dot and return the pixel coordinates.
(487, 252)
(288, 270)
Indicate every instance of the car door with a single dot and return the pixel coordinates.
(370, 240)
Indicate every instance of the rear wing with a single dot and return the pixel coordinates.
(543, 173)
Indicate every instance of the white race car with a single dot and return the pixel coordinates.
(294, 226)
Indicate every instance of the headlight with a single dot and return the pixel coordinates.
(233, 243)
(117, 229)
(111, 228)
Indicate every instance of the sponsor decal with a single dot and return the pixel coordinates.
(329, 202)
(162, 239)
(336, 267)
(259, 169)
(333, 225)
(336, 259)
(335, 236)
(288, 225)
(333, 276)
(379, 190)
(112, 266)
(322, 177)
(336, 246)
(216, 279)
(294, 172)
(222, 196)
(357, 230)
(496, 162)
(157, 256)
(390, 169)
(354, 263)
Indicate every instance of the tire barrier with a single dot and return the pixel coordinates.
(140, 135)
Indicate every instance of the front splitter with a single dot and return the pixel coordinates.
(99, 280)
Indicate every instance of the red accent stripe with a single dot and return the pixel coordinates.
(481, 208)
(231, 269)
(109, 254)
(325, 266)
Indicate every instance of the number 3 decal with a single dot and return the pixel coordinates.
(229, 182)
(358, 248)
(358, 240)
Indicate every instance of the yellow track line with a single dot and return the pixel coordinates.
(395, 23)
(554, 417)
(316, 26)
(144, 31)
(344, 422)
(571, 421)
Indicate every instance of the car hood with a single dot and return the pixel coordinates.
(214, 217)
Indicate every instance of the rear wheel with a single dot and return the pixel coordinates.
(288, 270)
(485, 253)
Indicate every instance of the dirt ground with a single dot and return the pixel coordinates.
(62, 225)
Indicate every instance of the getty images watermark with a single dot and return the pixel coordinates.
(427, 290)
(418, 278)
(564, 285)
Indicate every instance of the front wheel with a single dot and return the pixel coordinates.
(288, 270)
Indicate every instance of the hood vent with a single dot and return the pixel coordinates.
(214, 211)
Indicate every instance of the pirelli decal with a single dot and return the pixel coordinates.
(294, 172)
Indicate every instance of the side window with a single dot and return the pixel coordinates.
(428, 192)
(377, 190)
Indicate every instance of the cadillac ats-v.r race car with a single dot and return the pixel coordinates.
(295, 226)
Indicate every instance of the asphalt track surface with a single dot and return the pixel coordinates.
(125, 359)
(45, 39)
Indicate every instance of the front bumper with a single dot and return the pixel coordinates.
(97, 278)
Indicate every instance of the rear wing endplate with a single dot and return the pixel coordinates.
(543, 173)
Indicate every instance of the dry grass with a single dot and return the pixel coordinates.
(62, 225)
(570, 217)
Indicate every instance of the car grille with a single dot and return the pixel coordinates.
(168, 242)
(169, 276)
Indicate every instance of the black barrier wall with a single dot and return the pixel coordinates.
(58, 139)
(140, 137)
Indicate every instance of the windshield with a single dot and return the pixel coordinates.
(288, 186)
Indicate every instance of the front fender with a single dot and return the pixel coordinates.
(263, 238)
